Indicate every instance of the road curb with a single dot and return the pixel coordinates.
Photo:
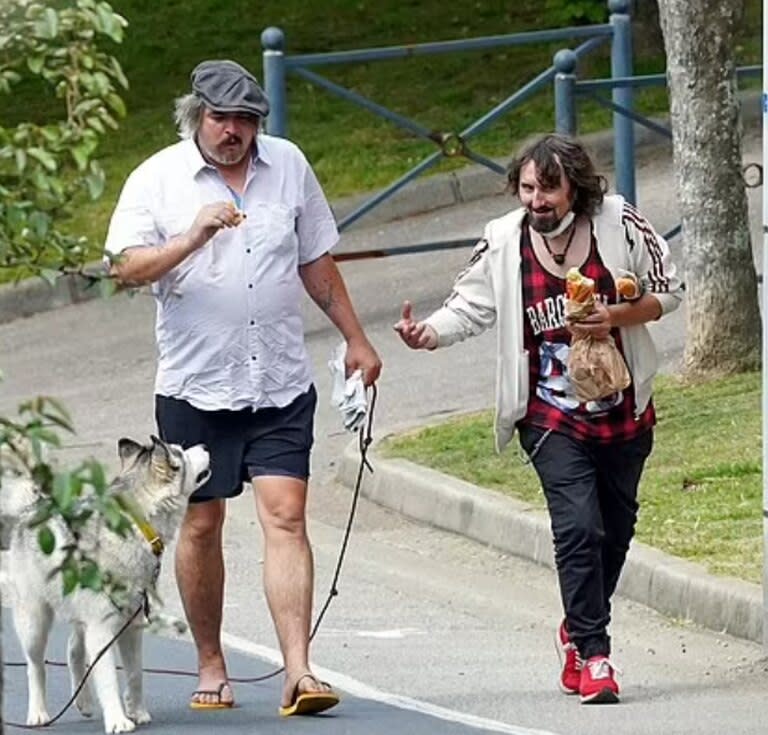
(672, 586)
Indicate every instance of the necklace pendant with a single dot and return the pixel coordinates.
(559, 258)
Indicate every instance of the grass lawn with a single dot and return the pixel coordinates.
(701, 492)
(352, 150)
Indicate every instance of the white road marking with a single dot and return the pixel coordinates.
(393, 634)
(363, 691)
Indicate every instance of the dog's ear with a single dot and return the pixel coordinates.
(161, 455)
(128, 450)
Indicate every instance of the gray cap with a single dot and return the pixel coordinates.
(225, 86)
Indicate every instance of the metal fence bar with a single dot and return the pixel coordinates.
(484, 161)
(426, 164)
(426, 247)
(652, 80)
(645, 80)
(365, 103)
(517, 98)
(525, 92)
(444, 47)
(634, 116)
(273, 41)
(565, 97)
(623, 129)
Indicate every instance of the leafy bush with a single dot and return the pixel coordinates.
(44, 168)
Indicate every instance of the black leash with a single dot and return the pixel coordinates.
(365, 439)
(52, 720)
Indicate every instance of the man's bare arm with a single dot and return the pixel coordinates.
(326, 287)
(136, 266)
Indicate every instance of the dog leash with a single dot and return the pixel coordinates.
(52, 720)
(365, 439)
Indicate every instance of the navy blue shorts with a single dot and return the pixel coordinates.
(243, 444)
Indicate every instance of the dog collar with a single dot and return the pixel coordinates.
(132, 510)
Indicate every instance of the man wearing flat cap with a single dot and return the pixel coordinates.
(228, 225)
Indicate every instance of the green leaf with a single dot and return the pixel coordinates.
(49, 275)
(46, 540)
(117, 72)
(107, 287)
(69, 580)
(81, 153)
(40, 223)
(95, 182)
(90, 576)
(65, 489)
(21, 159)
(45, 158)
(35, 63)
(47, 26)
(115, 101)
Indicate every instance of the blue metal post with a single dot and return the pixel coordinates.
(565, 95)
(273, 42)
(623, 127)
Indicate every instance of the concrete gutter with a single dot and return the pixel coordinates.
(672, 586)
(423, 195)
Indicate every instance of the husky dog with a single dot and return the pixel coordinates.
(156, 481)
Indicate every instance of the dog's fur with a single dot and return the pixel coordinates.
(160, 477)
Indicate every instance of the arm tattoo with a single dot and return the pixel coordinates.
(326, 301)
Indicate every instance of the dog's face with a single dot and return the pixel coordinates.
(162, 473)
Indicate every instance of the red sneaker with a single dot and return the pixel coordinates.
(598, 685)
(570, 678)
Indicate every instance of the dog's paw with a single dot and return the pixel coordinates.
(160, 623)
(119, 724)
(37, 718)
(140, 716)
(84, 702)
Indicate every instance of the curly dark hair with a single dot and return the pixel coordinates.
(554, 154)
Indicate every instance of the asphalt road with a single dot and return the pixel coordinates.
(425, 620)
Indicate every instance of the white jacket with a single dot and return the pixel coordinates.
(490, 290)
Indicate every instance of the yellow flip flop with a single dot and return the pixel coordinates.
(309, 703)
(218, 703)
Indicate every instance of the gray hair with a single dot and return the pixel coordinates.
(187, 112)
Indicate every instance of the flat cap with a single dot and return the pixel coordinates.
(225, 86)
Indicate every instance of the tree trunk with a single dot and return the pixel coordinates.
(723, 326)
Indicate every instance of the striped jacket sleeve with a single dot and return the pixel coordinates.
(651, 259)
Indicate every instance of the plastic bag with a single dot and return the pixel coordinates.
(596, 368)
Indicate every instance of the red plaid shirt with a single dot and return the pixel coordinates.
(551, 401)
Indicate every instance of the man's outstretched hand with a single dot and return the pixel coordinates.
(417, 335)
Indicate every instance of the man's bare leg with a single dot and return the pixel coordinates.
(200, 578)
(288, 574)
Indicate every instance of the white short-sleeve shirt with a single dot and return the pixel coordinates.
(229, 329)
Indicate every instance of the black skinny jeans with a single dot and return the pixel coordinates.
(591, 492)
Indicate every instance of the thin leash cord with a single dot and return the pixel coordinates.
(365, 439)
(83, 681)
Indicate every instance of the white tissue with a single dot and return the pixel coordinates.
(347, 394)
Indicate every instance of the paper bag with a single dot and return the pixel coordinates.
(596, 368)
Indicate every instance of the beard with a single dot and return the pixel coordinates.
(548, 223)
(229, 153)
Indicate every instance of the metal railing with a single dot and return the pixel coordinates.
(449, 144)
(568, 89)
